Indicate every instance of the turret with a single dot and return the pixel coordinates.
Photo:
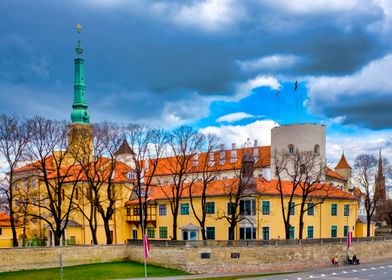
(80, 134)
(79, 108)
(344, 169)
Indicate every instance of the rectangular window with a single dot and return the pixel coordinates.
(230, 208)
(310, 209)
(346, 210)
(163, 232)
(265, 233)
(292, 232)
(334, 231)
(151, 232)
(334, 209)
(248, 207)
(184, 208)
(135, 211)
(210, 207)
(162, 210)
(345, 231)
(210, 233)
(292, 208)
(310, 232)
(247, 233)
(265, 208)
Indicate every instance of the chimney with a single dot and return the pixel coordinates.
(255, 143)
(233, 157)
(222, 147)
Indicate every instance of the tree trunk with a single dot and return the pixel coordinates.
(203, 232)
(109, 240)
(287, 230)
(231, 232)
(175, 228)
(368, 226)
(94, 234)
(57, 238)
(14, 236)
(301, 221)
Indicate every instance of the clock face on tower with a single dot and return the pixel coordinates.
(85, 115)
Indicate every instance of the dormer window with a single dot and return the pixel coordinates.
(131, 175)
(222, 157)
(291, 149)
(196, 160)
(211, 159)
(316, 149)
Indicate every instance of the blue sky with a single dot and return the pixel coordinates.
(215, 64)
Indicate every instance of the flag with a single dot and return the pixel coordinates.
(146, 246)
(296, 85)
(349, 239)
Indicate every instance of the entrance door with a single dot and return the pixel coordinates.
(190, 235)
(184, 235)
(134, 234)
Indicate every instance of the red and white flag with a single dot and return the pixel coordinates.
(349, 238)
(146, 246)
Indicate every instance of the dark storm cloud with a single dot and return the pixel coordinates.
(147, 59)
(367, 110)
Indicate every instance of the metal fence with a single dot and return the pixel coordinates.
(254, 243)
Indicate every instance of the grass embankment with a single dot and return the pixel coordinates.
(113, 270)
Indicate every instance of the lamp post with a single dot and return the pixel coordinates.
(143, 238)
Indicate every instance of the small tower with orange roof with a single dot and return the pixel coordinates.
(344, 169)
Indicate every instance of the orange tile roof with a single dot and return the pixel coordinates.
(333, 174)
(36, 165)
(169, 165)
(73, 172)
(224, 187)
(342, 163)
(4, 220)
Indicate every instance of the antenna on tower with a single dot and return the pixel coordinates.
(79, 49)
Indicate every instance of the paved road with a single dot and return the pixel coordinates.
(376, 271)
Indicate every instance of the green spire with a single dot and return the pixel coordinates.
(79, 107)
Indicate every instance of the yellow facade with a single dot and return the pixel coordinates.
(265, 224)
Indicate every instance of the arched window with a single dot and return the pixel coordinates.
(316, 149)
(291, 149)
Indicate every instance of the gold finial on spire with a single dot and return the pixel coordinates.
(78, 28)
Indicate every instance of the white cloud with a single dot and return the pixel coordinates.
(234, 117)
(313, 6)
(211, 15)
(244, 89)
(374, 78)
(272, 62)
(259, 130)
(354, 144)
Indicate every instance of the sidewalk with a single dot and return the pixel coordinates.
(202, 276)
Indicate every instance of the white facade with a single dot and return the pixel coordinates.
(297, 138)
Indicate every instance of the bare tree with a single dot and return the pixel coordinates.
(238, 189)
(184, 143)
(311, 168)
(283, 165)
(364, 175)
(56, 169)
(100, 173)
(207, 173)
(147, 149)
(13, 140)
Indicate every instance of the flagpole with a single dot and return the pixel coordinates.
(144, 243)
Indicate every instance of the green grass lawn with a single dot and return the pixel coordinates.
(114, 270)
